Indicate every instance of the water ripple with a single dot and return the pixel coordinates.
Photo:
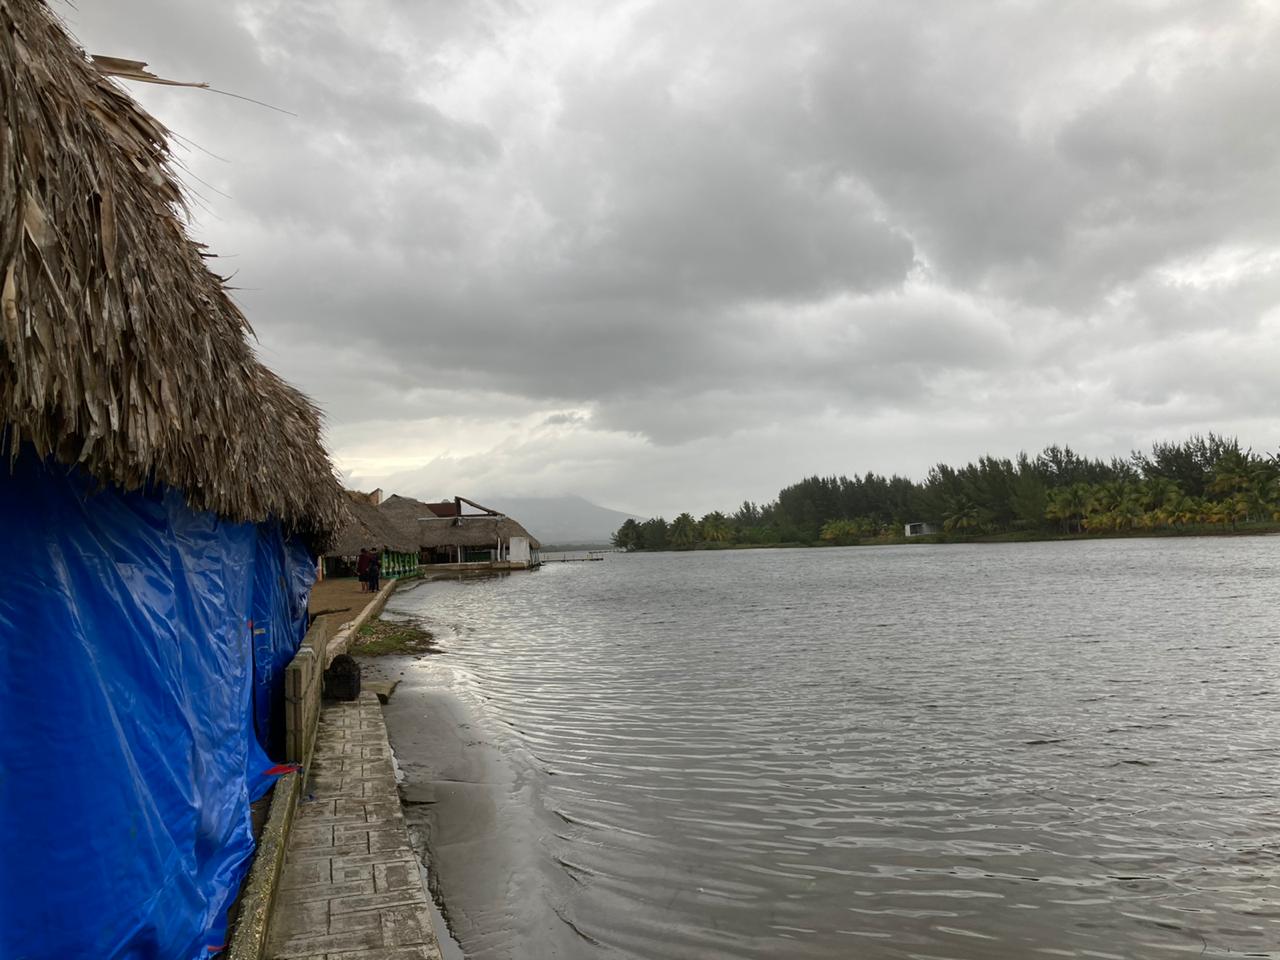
(963, 752)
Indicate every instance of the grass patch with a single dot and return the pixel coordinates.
(379, 638)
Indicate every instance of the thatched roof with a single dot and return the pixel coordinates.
(470, 532)
(119, 349)
(404, 513)
(410, 514)
(368, 526)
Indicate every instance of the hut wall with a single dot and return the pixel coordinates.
(141, 672)
(518, 552)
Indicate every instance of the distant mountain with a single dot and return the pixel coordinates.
(561, 520)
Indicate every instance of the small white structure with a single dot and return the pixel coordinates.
(521, 553)
(921, 529)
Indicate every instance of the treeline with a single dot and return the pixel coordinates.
(1203, 481)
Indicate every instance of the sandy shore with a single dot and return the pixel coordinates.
(477, 818)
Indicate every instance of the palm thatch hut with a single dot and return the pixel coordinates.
(370, 527)
(471, 539)
(162, 495)
(445, 534)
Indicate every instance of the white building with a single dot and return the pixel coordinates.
(921, 529)
(521, 552)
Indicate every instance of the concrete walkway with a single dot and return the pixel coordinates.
(351, 887)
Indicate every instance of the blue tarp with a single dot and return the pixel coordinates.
(142, 649)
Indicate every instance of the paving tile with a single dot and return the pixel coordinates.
(315, 810)
(345, 789)
(304, 920)
(396, 876)
(381, 829)
(365, 859)
(326, 891)
(386, 835)
(298, 873)
(327, 943)
(353, 833)
(388, 822)
(381, 789)
(402, 926)
(388, 842)
(376, 810)
(344, 872)
(348, 922)
(376, 901)
(312, 834)
(343, 850)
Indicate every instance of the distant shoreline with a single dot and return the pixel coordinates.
(1200, 530)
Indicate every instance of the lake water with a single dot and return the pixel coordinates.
(982, 751)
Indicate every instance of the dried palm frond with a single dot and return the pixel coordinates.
(369, 526)
(120, 350)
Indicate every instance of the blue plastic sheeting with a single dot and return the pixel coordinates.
(283, 574)
(142, 648)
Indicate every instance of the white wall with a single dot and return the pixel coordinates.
(518, 550)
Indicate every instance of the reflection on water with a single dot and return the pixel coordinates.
(1065, 750)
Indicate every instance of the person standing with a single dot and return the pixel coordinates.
(362, 568)
(375, 570)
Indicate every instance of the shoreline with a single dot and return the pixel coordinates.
(425, 732)
(472, 818)
(1016, 536)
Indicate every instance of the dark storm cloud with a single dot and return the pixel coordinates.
(657, 226)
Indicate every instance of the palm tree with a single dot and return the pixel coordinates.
(1257, 498)
(964, 517)
(627, 536)
(1260, 489)
(1069, 505)
(1232, 472)
(1058, 508)
(1128, 512)
(684, 530)
(1157, 492)
(1104, 507)
(1186, 510)
(1104, 496)
(715, 527)
(1238, 509)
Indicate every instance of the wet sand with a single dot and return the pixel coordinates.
(474, 816)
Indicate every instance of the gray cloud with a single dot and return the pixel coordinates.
(572, 241)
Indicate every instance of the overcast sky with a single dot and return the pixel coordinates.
(674, 255)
